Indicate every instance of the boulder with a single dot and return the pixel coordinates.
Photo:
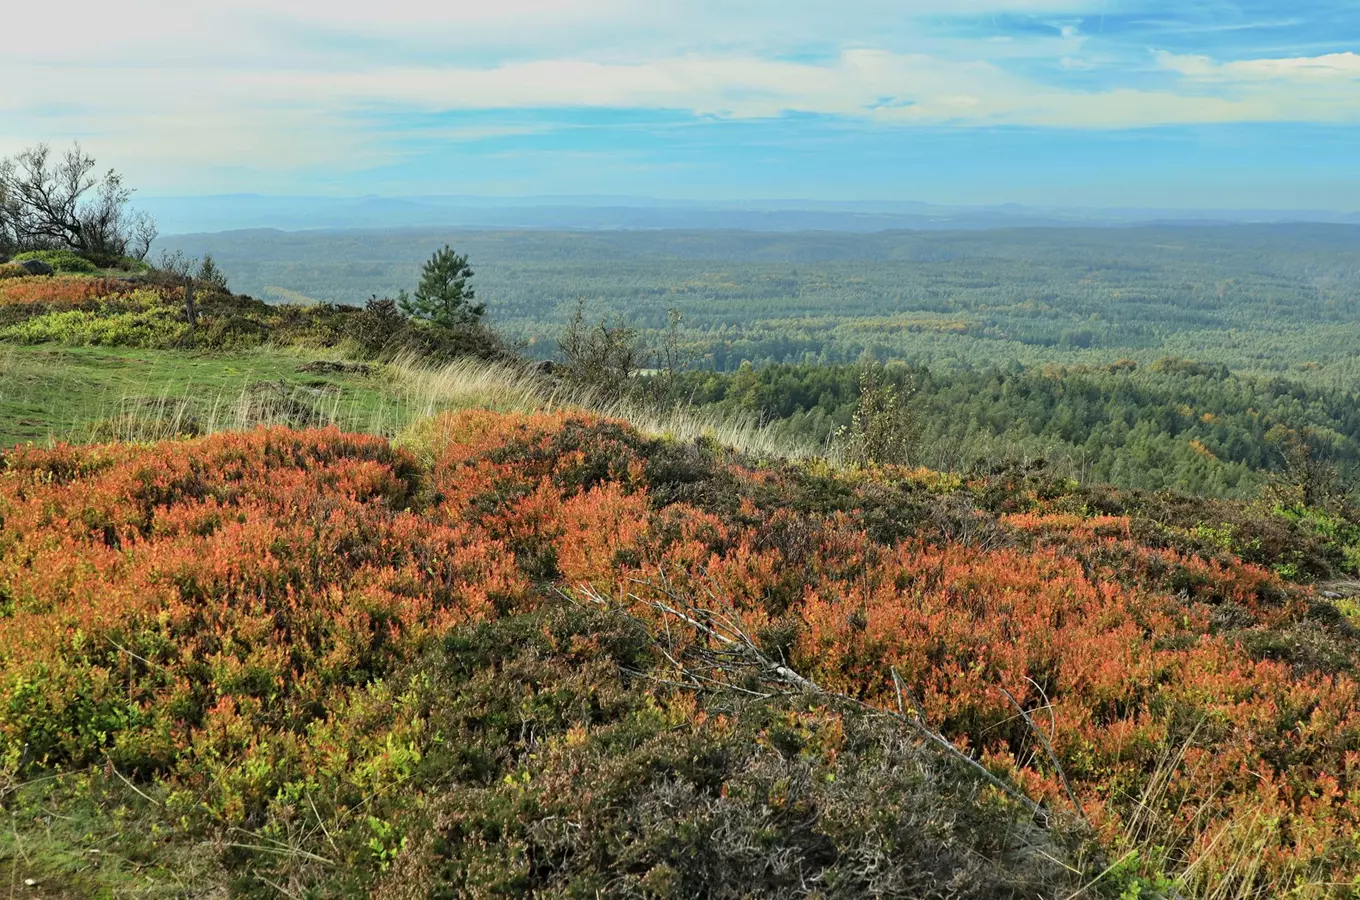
(36, 267)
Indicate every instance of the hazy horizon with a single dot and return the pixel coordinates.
(734, 201)
(234, 212)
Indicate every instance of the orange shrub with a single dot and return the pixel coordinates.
(60, 292)
(149, 590)
(192, 606)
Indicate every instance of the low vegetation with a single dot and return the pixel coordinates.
(446, 666)
(67, 262)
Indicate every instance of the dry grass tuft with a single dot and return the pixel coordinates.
(474, 384)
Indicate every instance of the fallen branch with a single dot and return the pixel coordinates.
(1052, 757)
(738, 651)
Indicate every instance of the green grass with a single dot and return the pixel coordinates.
(81, 394)
(49, 393)
(93, 834)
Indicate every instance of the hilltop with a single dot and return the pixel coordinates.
(497, 658)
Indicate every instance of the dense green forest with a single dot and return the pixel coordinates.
(1172, 356)
(1172, 424)
(1275, 299)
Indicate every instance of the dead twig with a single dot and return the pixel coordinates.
(135, 789)
(1052, 756)
(738, 651)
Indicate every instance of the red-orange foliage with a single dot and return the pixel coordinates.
(61, 292)
(150, 591)
(193, 601)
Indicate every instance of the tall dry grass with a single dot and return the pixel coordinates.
(1169, 832)
(471, 383)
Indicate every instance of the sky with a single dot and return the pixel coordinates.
(1191, 104)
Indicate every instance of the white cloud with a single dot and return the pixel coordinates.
(1330, 67)
(284, 85)
(868, 84)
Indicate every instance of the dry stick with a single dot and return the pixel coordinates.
(114, 770)
(787, 675)
(1048, 705)
(1052, 757)
(319, 821)
(286, 851)
(741, 641)
(141, 659)
(897, 685)
(278, 887)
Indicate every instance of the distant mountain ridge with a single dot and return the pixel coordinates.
(229, 212)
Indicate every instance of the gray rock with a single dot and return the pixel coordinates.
(37, 267)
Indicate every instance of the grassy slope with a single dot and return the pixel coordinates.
(50, 393)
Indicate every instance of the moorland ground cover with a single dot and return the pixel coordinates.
(345, 665)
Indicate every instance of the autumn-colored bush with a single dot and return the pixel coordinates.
(167, 604)
(61, 292)
(78, 311)
(246, 621)
(1139, 652)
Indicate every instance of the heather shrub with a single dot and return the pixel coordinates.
(36, 295)
(632, 790)
(443, 344)
(12, 270)
(375, 329)
(288, 618)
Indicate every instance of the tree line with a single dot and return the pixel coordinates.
(1171, 424)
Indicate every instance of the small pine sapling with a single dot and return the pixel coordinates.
(444, 298)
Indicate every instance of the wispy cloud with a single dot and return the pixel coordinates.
(280, 86)
(1338, 67)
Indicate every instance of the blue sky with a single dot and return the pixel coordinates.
(1218, 103)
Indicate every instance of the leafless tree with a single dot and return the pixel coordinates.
(144, 232)
(9, 243)
(50, 202)
(600, 360)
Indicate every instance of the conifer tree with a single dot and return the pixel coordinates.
(444, 297)
(211, 276)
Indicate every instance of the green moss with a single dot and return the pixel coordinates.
(65, 262)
